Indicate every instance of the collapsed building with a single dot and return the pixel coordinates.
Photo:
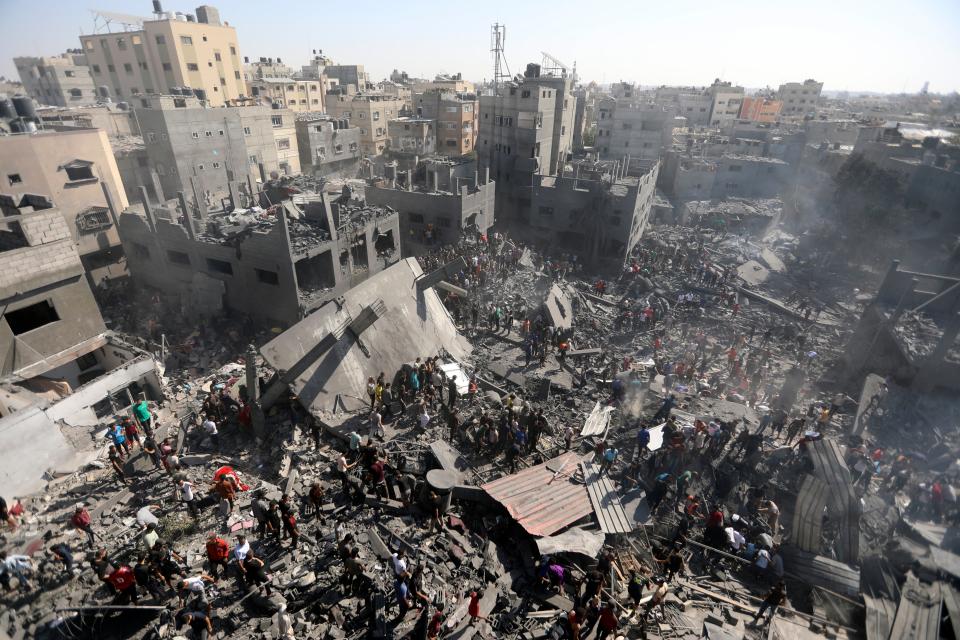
(275, 264)
(62, 369)
(431, 214)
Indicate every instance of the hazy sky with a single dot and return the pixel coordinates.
(877, 45)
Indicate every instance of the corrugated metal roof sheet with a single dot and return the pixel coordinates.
(807, 523)
(830, 467)
(918, 616)
(543, 499)
(605, 500)
(821, 571)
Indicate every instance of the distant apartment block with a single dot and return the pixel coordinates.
(328, 146)
(60, 81)
(291, 93)
(726, 103)
(800, 98)
(412, 136)
(370, 113)
(634, 128)
(456, 117)
(166, 52)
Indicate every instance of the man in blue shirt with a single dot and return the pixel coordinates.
(119, 438)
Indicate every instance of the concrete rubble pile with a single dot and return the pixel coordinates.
(690, 443)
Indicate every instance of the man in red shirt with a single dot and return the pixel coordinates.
(125, 583)
(81, 521)
(608, 621)
(436, 624)
(474, 608)
(217, 553)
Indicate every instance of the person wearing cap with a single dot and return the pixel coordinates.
(81, 521)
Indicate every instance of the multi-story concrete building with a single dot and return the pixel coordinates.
(328, 147)
(430, 217)
(598, 212)
(456, 117)
(726, 102)
(168, 52)
(412, 135)
(50, 318)
(312, 250)
(284, 126)
(202, 150)
(759, 109)
(399, 91)
(525, 130)
(634, 129)
(370, 112)
(60, 81)
(349, 77)
(799, 98)
(73, 166)
(688, 177)
(291, 93)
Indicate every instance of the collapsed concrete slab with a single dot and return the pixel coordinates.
(413, 324)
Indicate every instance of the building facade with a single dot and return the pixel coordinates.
(800, 98)
(328, 147)
(72, 166)
(456, 117)
(429, 218)
(291, 93)
(638, 128)
(412, 135)
(726, 102)
(60, 81)
(167, 53)
(202, 150)
(370, 113)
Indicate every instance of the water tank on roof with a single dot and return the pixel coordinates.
(201, 94)
(191, 17)
(24, 107)
(276, 105)
(6, 108)
(123, 106)
(103, 91)
(30, 126)
(17, 126)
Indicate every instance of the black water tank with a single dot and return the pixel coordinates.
(103, 91)
(24, 107)
(6, 108)
(17, 126)
(123, 106)
(201, 94)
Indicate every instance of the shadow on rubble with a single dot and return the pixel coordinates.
(100, 624)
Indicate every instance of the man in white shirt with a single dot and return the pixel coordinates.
(734, 538)
(399, 563)
(376, 425)
(186, 494)
(210, 427)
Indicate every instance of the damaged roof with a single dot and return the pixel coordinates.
(543, 499)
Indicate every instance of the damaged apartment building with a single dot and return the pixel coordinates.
(75, 168)
(437, 209)
(275, 264)
(328, 146)
(61, 367)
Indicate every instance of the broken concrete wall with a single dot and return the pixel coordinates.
(258, 274)
(30, 444)
(415, 324)
(44, 282)
(450, 214)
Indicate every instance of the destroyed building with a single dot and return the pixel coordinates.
(412, 135)
(275, 264)
(59, 360)
(431, 215)
(909, 332)
(328, 146)
(596, 210)
(689, 177)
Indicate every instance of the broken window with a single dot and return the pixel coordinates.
(31, 317)
(79, 170)
(268, 277)
(317, 272)
(93, 219)
(86, 361)
(178, 257)
(219, 266)
(14, 178)
(283, 144)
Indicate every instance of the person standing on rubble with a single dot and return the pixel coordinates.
(774, 598)
(376, 425)
(372, 392)
(217, 553)
(81, 521)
